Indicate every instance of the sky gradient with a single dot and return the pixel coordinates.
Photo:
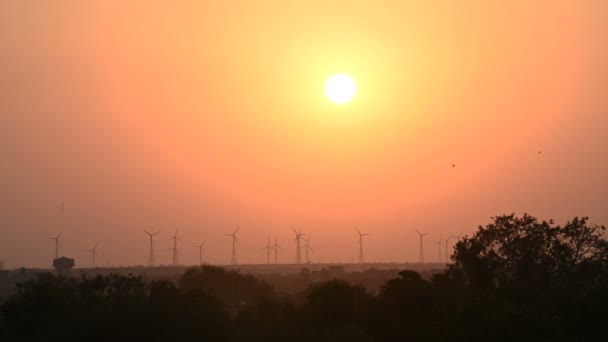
(202, 116)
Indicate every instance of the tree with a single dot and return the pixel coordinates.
(525, 252)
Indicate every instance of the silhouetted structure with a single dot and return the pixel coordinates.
(439, 250)
(361, 256)
(63, 265)
(421, 250)
(298, 245)
(201, 251)
(235, 240)
(307, 247)
(151, 254)
(57, 244)
(174, 249)
(93, 252)
(276, 248)
(268, 247)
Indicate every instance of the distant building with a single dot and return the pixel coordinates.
(63, 265)
(337, 270)
(4, 279)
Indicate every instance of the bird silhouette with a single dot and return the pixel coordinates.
(453, 165)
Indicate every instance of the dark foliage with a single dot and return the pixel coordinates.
(516, 279)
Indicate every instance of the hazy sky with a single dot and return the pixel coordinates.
(203, 116)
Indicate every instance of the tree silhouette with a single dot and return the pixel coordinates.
(524, 252)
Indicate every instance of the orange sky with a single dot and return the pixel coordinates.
(202, 116)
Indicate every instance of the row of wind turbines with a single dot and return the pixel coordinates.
(446, 256)
(235, 240)
(269, 248)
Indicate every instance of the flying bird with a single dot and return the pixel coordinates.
(453, 165)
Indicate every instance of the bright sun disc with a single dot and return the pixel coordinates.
(340, 88)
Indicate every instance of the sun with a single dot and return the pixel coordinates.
(340, 88)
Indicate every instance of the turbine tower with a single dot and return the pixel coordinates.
(298, 245)
(235, 240)
(174, 249)
(361, 257)
(307, 246)
(57, 244)
(276, 248)
(421, 253)
(201, 251)
(151, 255)
(447, 255)
(268, 247)
(93, 252)
(439, 260)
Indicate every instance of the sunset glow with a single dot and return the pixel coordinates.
(205, 115)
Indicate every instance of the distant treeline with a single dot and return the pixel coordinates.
(515, 279)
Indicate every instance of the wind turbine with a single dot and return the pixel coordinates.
(93, 252)
(298, 245)
(457, 237)
(439, 260)
(307, 247)
(174, 249)
(361, 258)
(57, 244)
(446, 255)
(151, 255)
(201, 251)
(235, 240)
(421, 253)
(276, 248)
(268, 247)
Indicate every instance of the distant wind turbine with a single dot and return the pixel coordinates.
(268, 247)
(307, 247)
(361, 257)
(151, 254)
(201, 251)
(235, 240)
(174, 248)
(276, 248)
(439, 260)
(421, 250)
(298, 245)
(57, 244)
(93, 252)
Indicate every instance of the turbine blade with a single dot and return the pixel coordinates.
(58, 236)
(237, 229)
